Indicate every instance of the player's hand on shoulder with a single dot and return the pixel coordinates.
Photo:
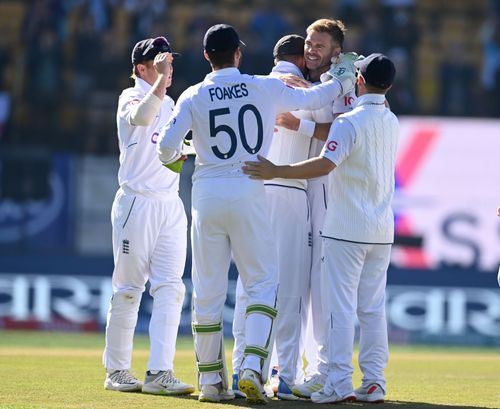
(294, 81)
(261, 169)
(350, 57)
(343, 69)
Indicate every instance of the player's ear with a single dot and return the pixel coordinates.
(237, 57)
(360, 80)
(205, 54)
(140, 69)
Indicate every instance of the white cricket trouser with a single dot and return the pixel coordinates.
(231, 214)
(294, 259)
(316, 353)
(149, 243)
(240, 307)
(292, 227)
(308, 344)
(354, 277)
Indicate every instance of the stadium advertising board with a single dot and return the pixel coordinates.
(447, 179)
(415, 313)
(36, 201)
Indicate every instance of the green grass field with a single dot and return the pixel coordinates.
(59, 370)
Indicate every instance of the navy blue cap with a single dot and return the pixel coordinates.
(377, 70)
(221, 37)
(291, 44)
(147, 49)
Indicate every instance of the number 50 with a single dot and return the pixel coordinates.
(214, 130)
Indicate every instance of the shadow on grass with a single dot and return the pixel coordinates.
(276, 403)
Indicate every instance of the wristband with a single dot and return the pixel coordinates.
(307, 127)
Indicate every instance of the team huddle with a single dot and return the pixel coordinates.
(293, 181)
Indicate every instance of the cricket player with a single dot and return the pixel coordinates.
(287, 201)
(232, 118)
(149, 230)
(359, 156)
(323, 45)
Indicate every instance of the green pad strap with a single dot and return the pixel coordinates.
(262, 309)
(256, 350)
(207, 367)
(207, 328)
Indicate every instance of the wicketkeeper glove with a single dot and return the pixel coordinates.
(187, 148)
(177, 165)
(343, 70)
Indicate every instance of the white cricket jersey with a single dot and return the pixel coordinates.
(140, 169)
(362, 143)
(232, 116)
(325, 114)
(289, 146)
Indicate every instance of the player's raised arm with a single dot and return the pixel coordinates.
(145, 110)
(170, 140)
(343, 76)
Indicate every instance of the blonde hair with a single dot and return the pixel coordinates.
(135, 72)
(335, 28)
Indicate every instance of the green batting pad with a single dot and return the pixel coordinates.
(207, 328)
(256, 350)
(262, 309)
(206, 367)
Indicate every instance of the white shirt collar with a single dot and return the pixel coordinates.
(286, 67)
(370, 99)
(223, 72)
(142, 85)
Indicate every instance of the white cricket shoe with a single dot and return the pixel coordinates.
(372, 393)
(165, 383)
(122, 381)
(322, 397)
(251, 385)
(314, 384)
(215, 393)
